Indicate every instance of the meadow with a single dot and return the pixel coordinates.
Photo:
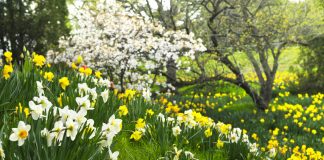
(161, 80)
(61, 112)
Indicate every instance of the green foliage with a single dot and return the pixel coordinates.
(311, 62)
(38, 25)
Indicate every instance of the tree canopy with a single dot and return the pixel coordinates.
(35, 24)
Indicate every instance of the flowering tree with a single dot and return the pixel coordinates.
(134, 50)
(259, 30)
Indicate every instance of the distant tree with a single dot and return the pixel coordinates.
(35, 24)
(312, 60)
(312, 56)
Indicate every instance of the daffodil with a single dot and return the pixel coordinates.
(98, 74)
(2, 154)
(59, 100)
(208, 132)
(140, 124)
(74, 66)
(137, 135)
(123, 111)
(71, 129)
(84, 102)
(36, 110)
(113, 156)
(49, 76)
(40, 88)
(113, 126)
(64, 82)
(85, 70)
(177, 153)
(58, 131)
(20, 134)
(149, 112)
(8, 56)
(176, 131)
(39, 60)
(219, 144)
(79, 60)
(90, 129)
(7, 70)
(105, 95)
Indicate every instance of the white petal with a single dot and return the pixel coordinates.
(20, 142)
(13, 137)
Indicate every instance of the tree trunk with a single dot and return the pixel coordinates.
(258, 99)
(171, 72)
(266, 91)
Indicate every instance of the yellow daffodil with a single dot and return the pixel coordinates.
(98, 74)
(123, 111)
(219, 144)
(8, 56)
(208, 132)
(7, 70)
(137, 135)
(140, 124)
(39, 60)
(49, 76)
(149, 112)
(74, 66)
(64, 82)
(79, 60)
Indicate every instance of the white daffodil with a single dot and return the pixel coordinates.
(113, 126)
(113, 156)
(170, 120)
(94, 80)
(176, 130)
(40, 87)
(84, 102)
(272, 152)
(2, 154)
(105, 95)
(161, 117)
(58, 130)
(49, 137)
(42, 100)
(83, 89)
(253, 148)
(20, 134)
(234, 138)
(191, 123)
(93, 93)
(71, 128)
(104, 82)
(36, 110)
(189, 155)
(65, 113)
(90, 129)
(147, 94)
(238, 131)
(109, 139)
(245, 138)
(80, 117)
(177, 153)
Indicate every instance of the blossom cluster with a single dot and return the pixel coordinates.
(114, 38)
